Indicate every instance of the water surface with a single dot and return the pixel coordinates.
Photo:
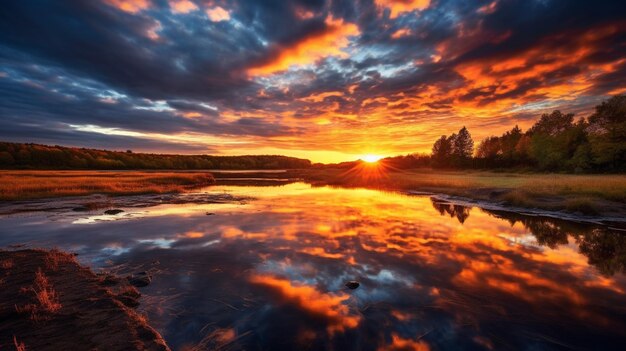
(269, 273)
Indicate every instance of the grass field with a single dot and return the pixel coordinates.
(590, 194)
(23, 185)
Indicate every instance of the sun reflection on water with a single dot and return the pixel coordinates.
(432, 275)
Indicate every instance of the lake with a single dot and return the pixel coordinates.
(268, 271)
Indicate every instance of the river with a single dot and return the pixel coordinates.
(268, 271)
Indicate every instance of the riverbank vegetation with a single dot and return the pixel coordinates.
(588, 194)
(24, 185)
(46, 294)
(35, 156)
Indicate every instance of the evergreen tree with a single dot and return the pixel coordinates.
(463, 145)
(607, 127)
(442, 150)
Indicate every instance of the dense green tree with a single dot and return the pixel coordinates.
(442, 150)
(556, 142)
(607, 127)
(490, 148)
(508, 143)
(553, 124)
(463, 145)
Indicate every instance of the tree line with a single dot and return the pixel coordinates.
(556, 142)
(35, 156)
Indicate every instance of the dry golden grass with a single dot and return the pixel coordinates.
(19, 346)
(47, 299)
(55, 256)
(23, 185)
(45, 294)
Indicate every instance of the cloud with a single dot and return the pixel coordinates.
(329, 41)
(182, 6)
(347, 75)
(398, 7)
(325, 305)
(217, 14)
(131, 6)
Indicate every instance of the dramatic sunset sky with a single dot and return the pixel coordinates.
(328, 80)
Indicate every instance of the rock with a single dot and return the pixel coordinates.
(113, 212)
(353, 284)
(140, 279)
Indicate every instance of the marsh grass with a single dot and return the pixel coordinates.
(19, 346)
(54, 257)
(46, 297)
(24, 185)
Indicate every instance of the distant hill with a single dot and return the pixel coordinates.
(36, 156)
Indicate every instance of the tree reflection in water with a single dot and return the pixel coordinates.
(604, 247)
(270, 273)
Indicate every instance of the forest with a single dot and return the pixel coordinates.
(557, 142)
(35, 156)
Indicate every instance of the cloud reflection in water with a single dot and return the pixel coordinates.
(270, 274)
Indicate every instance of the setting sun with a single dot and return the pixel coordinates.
(371, 158)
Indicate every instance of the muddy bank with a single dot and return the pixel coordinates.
(49, 302)
(591, 198)
(613, 220)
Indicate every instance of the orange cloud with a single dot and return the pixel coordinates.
(489, 8)
(321, 252)
(321, 96)
(398, 343)
(182, 6)
(130, 6)
(329, 42)
(309, 299)
(494, 87)
(398, 7)
(217, 14)
(403, 32)
(526, 72)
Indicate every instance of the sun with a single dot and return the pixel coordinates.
(371, 158)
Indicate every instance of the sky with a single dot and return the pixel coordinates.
(327, 80)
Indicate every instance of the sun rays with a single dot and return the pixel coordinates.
(371, 158)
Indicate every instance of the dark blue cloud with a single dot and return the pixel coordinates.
(89, 63)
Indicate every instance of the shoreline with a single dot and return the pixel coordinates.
(48, 301)
(590, 198)
(596, 197)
